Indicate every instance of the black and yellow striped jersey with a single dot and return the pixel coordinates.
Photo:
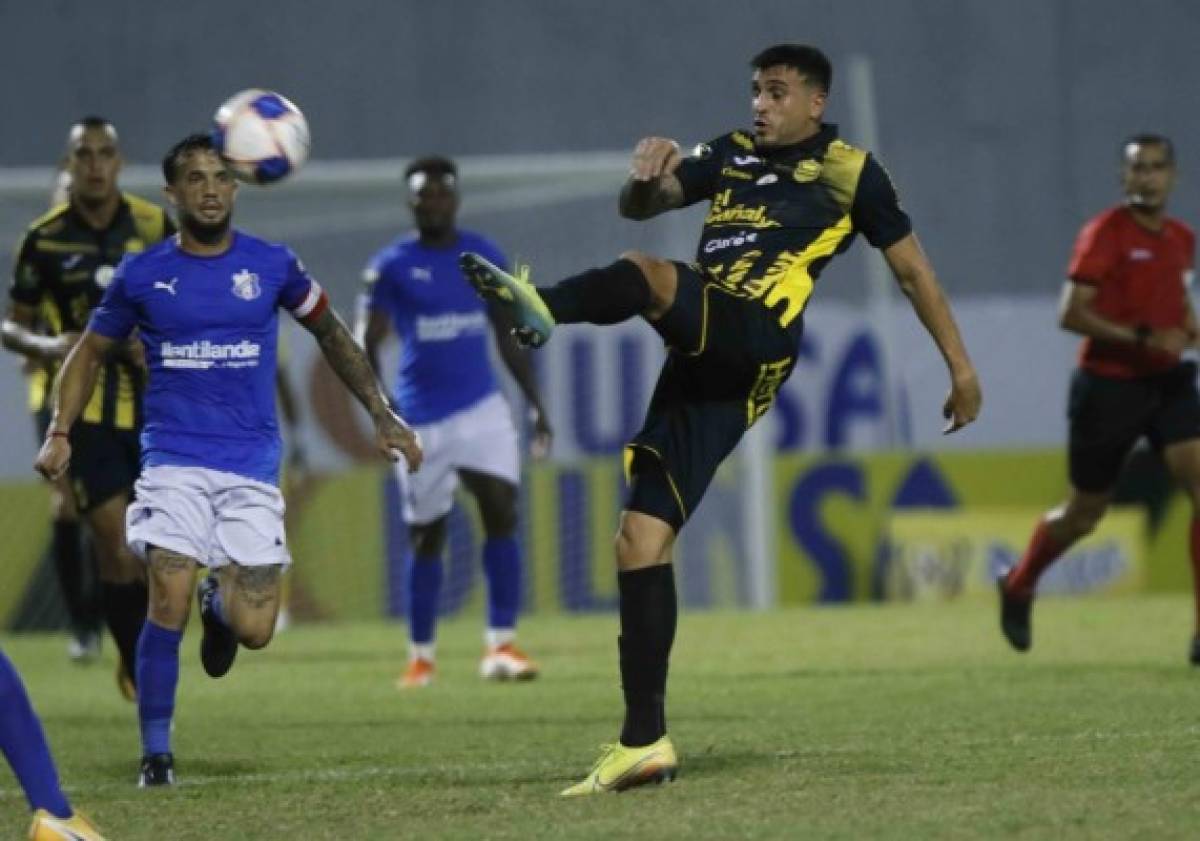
(778, 215)
(62, 269)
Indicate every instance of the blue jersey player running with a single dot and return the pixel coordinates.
(446, 388)
(205, 304)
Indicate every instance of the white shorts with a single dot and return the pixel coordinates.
(209, 515)
(480, 438)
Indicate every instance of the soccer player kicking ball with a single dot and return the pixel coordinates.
(784, 199)
(24, 746)
(205, 306)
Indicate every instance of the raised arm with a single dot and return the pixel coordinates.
(73, 387)
(517, 360)
(652, 187)
(916, 279)
(393, 436)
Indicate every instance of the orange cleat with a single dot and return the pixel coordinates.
(418, 674)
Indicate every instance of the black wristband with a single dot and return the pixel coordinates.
(1142, 333)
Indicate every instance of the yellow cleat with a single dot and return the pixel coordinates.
(532, 320)
(46, 827)
(620, 768)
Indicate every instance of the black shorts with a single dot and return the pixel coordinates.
(727, 357)
(1108, 415)
(104, 462)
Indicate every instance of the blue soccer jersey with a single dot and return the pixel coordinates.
(442, 324)
(209, 327)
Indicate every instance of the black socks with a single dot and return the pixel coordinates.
(599, 296)
(76, 578)
(125, 612)
(648, 618)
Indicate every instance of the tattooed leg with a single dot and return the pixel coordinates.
(172, 577)
(251, 599)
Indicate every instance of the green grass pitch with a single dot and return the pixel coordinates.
(858, 722)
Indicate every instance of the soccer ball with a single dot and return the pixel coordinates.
(261, 135)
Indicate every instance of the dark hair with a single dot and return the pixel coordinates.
(434, 166)
(192, 143)
(808, 61)
(1149, 139)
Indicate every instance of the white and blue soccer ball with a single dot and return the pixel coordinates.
(261, 135)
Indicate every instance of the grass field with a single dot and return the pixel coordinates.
(864, 722)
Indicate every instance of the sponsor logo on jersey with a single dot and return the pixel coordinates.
(807, 171)
(1141, 255)
(203, 354)
(723, 212)
(769, 178)
(746, 160)
(450, 326)
(246, 285)
(168, 285)
(421, 273)
(735, 241)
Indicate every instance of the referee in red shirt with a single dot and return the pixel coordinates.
(1127, 295)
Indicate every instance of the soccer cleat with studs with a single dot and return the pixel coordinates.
(507, 662)
(219, 645)
(46, 827)
(1015, 616)
(620, 768)
(157, 770)
(532, 321)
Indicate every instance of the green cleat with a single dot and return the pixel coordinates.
(620, 768)
(533, 321)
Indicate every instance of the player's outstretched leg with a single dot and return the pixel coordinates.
(609, 295)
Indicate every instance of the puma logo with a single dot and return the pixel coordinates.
(168, 285)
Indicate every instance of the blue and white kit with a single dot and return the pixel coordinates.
(210, 443)
(445, 386)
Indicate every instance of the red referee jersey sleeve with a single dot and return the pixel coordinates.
(1095, 254)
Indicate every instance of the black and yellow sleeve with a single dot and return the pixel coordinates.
(876, 210)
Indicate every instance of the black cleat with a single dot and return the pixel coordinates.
(1014, 616)
(1194, 654)
(157, 770)
(218, 646)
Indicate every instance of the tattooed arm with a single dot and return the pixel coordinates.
(350, 364)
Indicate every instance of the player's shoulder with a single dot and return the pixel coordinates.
(735, 142)
(142, 208)
(260, 250)
(396, 253)
(50, 223)
(135, 263)
(1181, 229)
(1109, 220)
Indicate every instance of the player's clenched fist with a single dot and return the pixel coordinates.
(395, 438)
(53, 457)
(654, 157)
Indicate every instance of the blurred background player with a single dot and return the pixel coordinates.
(1127, 295)
(206, 304)
(64, 264)
(732, 322)
(23, 744)
(445, 386)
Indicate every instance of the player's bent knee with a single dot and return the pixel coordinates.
(257, 636)
(642, 541)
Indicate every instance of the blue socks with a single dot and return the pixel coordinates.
(24, 745)
(502, 565)
(157, 677)
(424, 590)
